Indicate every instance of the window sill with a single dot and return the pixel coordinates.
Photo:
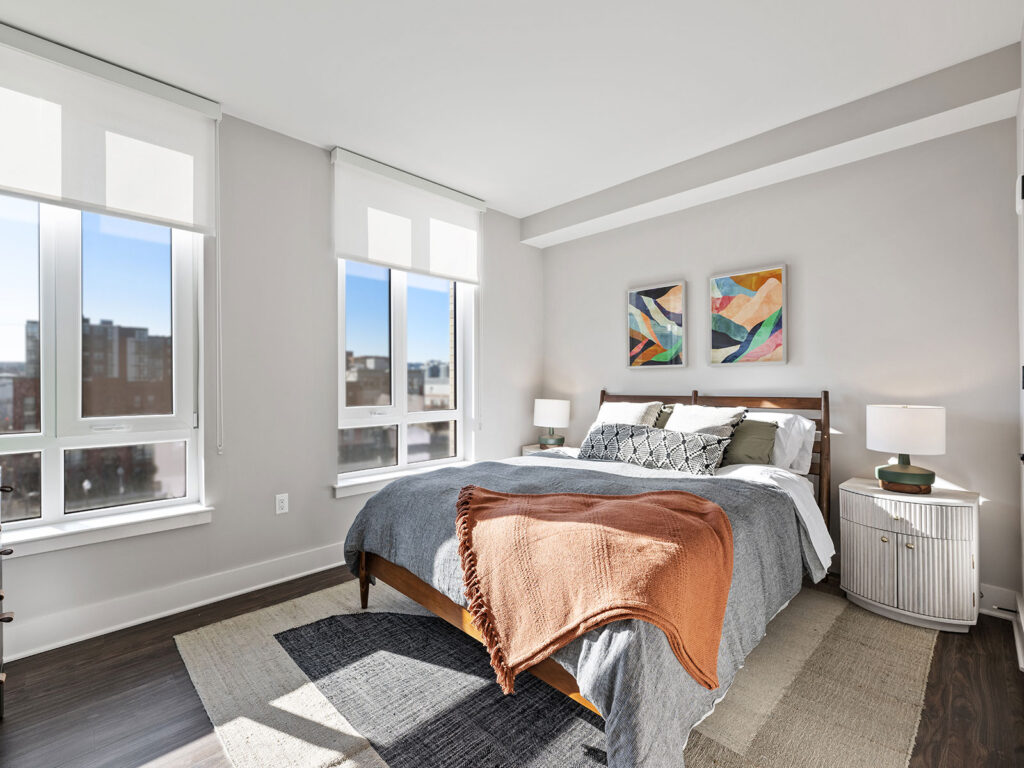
(356, 486)
(50, 537)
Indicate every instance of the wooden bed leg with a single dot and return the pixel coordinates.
(364, 582)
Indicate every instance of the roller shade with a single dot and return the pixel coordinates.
(83, 132)
(385, 216)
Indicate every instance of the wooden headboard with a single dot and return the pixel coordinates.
(821, 462)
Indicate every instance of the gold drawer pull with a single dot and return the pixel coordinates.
(885, 539)
(909, 545)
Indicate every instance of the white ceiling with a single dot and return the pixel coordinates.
(527, 103)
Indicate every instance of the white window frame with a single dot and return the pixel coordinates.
(62, 428)
(398, 413)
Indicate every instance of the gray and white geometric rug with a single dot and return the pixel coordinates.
(432, 699)
(317, 682)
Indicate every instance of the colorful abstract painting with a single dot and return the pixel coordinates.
(747, 317)
(655, 317)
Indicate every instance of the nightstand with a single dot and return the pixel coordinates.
(529, 450)
(913, 558)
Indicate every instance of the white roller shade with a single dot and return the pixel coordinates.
(386, 216)
(83, 132)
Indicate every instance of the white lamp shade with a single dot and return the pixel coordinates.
(910, 429)
(551, 413)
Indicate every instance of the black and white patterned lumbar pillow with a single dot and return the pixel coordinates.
(693, 452)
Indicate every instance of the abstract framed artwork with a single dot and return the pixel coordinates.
(748, 317)
(654, 318)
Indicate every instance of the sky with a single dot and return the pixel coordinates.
(366, 313)
(126, 273)
(19, 274)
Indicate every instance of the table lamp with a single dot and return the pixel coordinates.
(906, 429)
(551, 414)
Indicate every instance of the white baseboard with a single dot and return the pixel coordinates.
(998, 601)
(35, 634)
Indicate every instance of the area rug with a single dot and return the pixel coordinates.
(317, 682)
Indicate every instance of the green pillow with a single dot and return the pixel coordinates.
(752, 443)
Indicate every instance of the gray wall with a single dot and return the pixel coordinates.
(280, 407)
(510, 363)
(902, 288)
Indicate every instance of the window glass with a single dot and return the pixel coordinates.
(367, 448)
(432, 440)
(430, 311)
(19, 315)
(367, 335)
(21, 471)
(95, 478)
(127, 345)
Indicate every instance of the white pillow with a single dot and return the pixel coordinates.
(794, 440)
(802, 463)
(705, 418)
(639, 414)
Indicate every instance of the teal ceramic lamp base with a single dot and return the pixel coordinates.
(903, 477)
(551, 440)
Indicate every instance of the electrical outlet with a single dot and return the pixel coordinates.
(281, 503)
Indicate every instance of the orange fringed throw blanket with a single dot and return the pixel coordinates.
(541, 570)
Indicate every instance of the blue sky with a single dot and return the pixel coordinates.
(126, 273)
(427, 305)
(366, 305)
(19, 266)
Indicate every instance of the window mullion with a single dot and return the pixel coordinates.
(67, 254)
(399, 361)
(53, 234)
(428, 417)
(183, 322)
(456, 373)
(376, 420)
(469, 349)
(342, 348)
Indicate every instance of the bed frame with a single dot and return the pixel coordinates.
(371, 565)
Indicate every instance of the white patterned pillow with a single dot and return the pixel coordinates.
(697, 453)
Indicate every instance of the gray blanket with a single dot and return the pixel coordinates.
(649, 702)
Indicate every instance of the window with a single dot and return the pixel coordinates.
(368, 343)
(98, 363)
(405, 360)
(126, 318)
(19, 316)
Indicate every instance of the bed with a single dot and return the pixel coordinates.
(622, 671)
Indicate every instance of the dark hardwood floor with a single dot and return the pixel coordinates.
(125, 700)
(974, 705)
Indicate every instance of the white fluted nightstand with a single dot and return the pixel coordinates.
(913, 558)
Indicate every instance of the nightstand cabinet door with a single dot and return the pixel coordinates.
(869, 562)
(935, 577)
